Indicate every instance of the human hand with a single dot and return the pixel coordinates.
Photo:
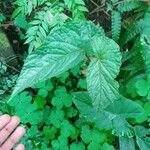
(10, 134)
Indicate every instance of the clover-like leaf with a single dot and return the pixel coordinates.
(86, 134)
(142, 87)
(77, 146)
(106, 146)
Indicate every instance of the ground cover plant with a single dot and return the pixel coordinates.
(77, 72)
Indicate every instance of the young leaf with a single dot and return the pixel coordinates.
(101, 72)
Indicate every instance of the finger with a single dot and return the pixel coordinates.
(20, 147)
(8, 129)
(4, 120)
(13, 139)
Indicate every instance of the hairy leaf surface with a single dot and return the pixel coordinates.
(101, 72)
(64, 48)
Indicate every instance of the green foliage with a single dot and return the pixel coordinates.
(102, 71)
(21, 22)
(78, 89)
(142, 138)
(41, 24)
(47, 14)
(132, 31)
(140, 25)
(114, 114)
(57, 54)
(116, 24)
(126, 143)
(77, 8)
(142, 88)
(145, 47)
(146, 26)
(128, 5)
(26, 110)
(25, 7)
(106, 146)
(57, 129)
(7, 81)
(118, 9)
(2, 17)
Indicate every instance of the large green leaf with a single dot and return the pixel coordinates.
(101, 119)
(125, 108)
(64, 48)
(113, 117)
(102, 70)
(142, 137)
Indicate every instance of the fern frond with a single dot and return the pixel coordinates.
(76, 7)
(40, 27)
(38, 32)
(116, 24)
(128, 5)
(25, 7)
(133, 30)
(145, 51)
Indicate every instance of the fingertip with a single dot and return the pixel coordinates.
(7, 117)
(16, 119)
(22, 129)
(4, 120)
(20, 147)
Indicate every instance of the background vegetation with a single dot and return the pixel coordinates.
(77, 72)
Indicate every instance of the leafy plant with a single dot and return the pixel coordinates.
(84, 84)
(2, 17)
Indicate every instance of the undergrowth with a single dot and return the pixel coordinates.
(85, 82)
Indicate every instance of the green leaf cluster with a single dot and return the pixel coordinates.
(78, 89)
(60, 56)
